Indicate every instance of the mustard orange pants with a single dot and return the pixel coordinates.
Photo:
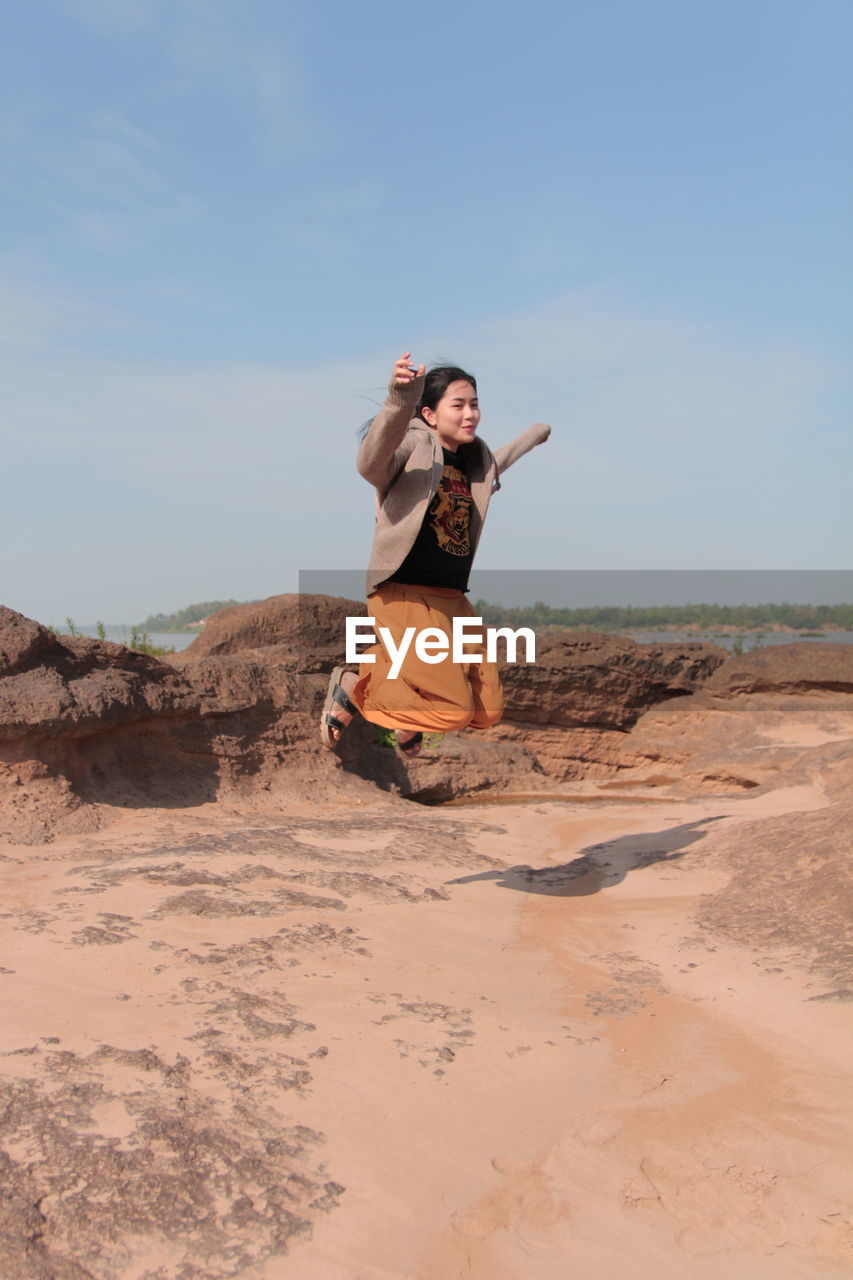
(431, 696)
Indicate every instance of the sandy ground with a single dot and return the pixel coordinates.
(396, 1043)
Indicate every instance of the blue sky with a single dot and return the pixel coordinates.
(222, 223)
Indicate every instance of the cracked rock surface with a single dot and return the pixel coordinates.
(309, 1029)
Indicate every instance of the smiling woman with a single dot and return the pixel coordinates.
(434, 479)
(449, 404)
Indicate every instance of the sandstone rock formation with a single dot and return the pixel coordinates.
(565, 715)
(86, 723)
(573, 708)
(790, 882)
(772, 713)
(228, 1027)
(241, 1044)
(87, 726)
(306, 631)
(789, 669)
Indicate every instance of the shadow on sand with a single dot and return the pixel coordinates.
(599, 866)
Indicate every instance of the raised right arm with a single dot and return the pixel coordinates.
(376, 459)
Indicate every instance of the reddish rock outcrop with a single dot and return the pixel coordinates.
(86, 725)
(759, 719)
(565, 714)
(786, 668)
(790, 889)
(574, 706)
(588, 679)
(307, 631)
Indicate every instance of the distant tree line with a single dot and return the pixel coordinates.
(180, 621)
(746, 617)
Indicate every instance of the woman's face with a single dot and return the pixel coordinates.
(456, 416)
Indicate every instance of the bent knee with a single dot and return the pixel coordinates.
(485, 719)
(457, 715)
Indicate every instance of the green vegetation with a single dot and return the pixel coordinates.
(180, 621)
(138, 640)
(739, 644)
(743, 617)
(385, 738)
(141, 642)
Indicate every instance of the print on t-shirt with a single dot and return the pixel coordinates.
(450, 512)
(441, 553)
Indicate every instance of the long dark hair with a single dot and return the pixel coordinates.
(436, 383)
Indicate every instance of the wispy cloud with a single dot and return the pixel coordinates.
(672, 447)
(325, 223)
(208, 47)
(631, 393)
(122, 186)
(42, 321)
(172, 427)
(92, 177)
(117, 17)
(650, 373)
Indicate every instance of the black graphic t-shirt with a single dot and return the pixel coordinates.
(441, 555)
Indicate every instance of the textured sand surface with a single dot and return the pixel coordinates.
(516, 1041)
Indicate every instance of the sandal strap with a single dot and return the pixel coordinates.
(342, 698)
(335, 723)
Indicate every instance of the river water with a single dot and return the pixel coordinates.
(121, 634)
(748, 639)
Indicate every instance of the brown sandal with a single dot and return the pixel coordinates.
(410, 748)
(336, 696)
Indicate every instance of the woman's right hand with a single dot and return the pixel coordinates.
(403, 373)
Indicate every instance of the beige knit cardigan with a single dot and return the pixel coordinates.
(403, 458)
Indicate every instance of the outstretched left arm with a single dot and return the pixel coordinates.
(510, 453)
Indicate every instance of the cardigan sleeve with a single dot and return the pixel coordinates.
(376, 459)
(510, 453)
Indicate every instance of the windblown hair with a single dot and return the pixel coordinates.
(436, 382)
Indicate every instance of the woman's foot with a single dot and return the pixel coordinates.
(408, 743)
(338, 710)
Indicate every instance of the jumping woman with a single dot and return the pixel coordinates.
(433, 477)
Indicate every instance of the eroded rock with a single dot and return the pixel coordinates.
(88, 727)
